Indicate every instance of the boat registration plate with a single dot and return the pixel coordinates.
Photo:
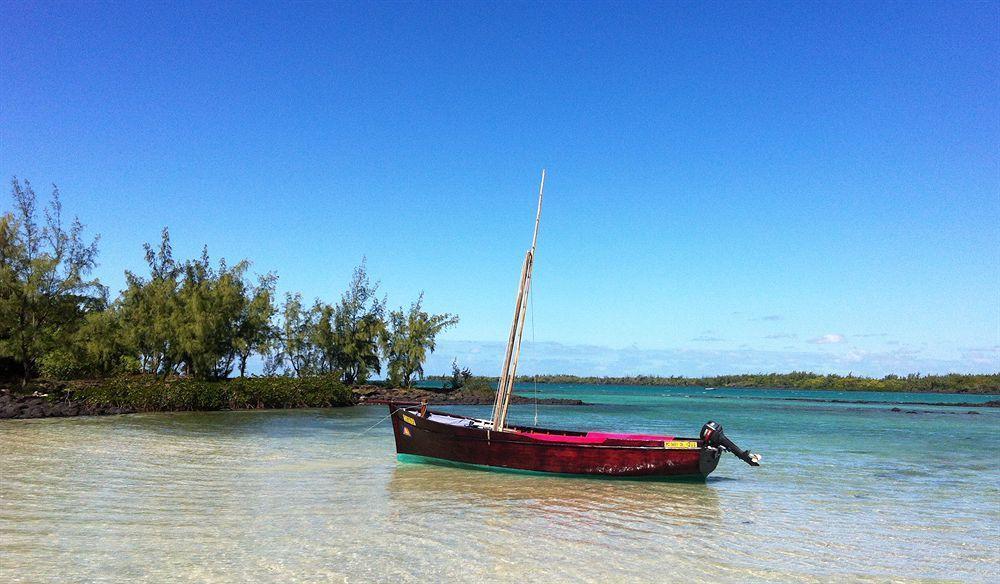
(686, 444)
(409, 420)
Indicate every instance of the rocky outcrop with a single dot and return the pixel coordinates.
(39, 405)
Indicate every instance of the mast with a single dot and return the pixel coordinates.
(508, 373)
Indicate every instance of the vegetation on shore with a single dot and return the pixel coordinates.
(917, 383)
(145, 393)
(141, 394)
(190, 319)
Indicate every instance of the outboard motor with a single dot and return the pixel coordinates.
(712, 435)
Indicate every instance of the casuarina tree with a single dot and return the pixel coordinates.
(45, 289)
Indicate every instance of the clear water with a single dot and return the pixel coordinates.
(848, 492)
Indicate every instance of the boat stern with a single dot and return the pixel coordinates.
(708, 460)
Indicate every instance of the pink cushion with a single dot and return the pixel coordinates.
(593, 437)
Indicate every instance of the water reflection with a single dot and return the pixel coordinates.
(604, 500)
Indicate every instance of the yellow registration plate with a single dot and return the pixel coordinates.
(685, 444)
(409, 420)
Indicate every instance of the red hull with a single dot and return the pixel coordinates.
(452, 438)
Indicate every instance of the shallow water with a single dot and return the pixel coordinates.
(847, 492)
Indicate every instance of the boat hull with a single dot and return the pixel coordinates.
(421, 438)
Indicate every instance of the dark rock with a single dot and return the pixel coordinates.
(13, 406)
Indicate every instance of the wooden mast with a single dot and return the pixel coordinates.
(508, 373)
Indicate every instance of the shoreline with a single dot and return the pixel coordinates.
(115, 396)
(14, 406)
(957, 383)
(34, 406)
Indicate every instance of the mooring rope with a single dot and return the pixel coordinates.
(380, 421)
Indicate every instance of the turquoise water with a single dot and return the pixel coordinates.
(848, 492)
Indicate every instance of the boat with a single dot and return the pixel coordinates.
(438, 437)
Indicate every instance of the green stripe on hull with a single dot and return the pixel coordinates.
(418, 459)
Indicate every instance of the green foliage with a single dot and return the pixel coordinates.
(358, 325)
(186, 318)
(459, 377)
(409, 338)
(349, 338)
(341, 339)
(207, 308)
(150, 394)
(297, 352)
(61, 363)
(480, 386)
(101, 348)
(255, 330)
(128, 365)
(44, 290)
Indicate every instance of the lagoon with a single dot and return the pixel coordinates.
(848, 491)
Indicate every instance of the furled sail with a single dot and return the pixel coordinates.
(509, 370)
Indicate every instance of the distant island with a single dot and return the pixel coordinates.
(914, 382)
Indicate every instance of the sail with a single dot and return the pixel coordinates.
(508, 371)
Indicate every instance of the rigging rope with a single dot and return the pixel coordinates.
(531, 299)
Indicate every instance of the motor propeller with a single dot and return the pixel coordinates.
(712, 434)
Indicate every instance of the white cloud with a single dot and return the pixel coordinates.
(987, 356)
(828, 339)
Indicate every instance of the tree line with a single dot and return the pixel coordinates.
(185, 317)
(914, 382)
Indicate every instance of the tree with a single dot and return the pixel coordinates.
(44, 290)
(358, 325)
(210, 303)
(296, 349)
(255, 331)
(410, 337)
(459, 377)
(191, 317)
(100, 345)
(147, 308)
(323, 336)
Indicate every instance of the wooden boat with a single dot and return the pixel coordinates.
(446, 438)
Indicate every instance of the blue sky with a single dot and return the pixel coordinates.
(732, 187)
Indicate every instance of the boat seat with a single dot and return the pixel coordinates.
(594, 437)
(464, 422)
